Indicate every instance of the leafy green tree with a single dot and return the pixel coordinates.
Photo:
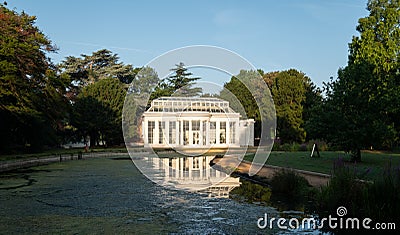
(244, 96)
(361, 107)
(98, 110)
(136, 101)
(243, 101)
(293, 94)
(32, 103)
(289, 93)
(246, 100)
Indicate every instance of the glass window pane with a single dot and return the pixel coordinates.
(213, 126)
(150, 131)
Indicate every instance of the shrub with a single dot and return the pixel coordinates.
(303, 147)
(322, 145)
(383, 195)
(293, 147)
(377, 200)
(290, 147)
(289, 183)
(252, 192)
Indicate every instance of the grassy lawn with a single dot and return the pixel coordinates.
(374, 161)
(53, 152)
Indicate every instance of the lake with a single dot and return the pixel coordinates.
(110, 195)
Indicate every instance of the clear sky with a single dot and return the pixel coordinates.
(308, 35)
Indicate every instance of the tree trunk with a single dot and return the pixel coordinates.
(356, 155)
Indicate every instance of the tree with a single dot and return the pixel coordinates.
(91, 68)
(98, 110)
(182, 81)
(32, 103)
(245, 101)
(361, 107)
(289, 90)
(242, 101)
(179, 84)
(136, 102)
(103, 81)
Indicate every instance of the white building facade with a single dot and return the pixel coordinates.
(173, 122)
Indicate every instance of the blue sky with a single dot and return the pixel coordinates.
(308, 35)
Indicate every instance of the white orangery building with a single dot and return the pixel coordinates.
(172, 122)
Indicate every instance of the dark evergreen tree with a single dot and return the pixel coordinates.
(180, 83)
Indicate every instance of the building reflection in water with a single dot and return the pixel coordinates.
(189, 173)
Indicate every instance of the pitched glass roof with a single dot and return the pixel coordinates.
(190, 104)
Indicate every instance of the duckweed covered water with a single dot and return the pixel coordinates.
(106, 195)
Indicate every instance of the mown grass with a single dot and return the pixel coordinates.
(370, 168)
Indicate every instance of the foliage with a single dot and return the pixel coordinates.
(387, 207)
(304, 147)
(89, 69)
(98, 110)
(289, 89)
(289, 184)
(178, 84)
(136, 101)
(240, 86)
(32, 102)
(376, 200)
(361, 107)
(244, 96)
(252, 192)
(293, 94)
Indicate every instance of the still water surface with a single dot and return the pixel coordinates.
(106, 195)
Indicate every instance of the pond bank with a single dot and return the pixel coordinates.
(24, 163)
(315, 179)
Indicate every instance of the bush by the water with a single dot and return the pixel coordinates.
(252, 192)
(289, 183)
(377, 200)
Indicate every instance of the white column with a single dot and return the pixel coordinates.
(237, 133)
(201, 133)
(190, 133)
(227, 132)
(177, 132)
(190, 167)
(145, 133)
(208, 133)
(155, 133)
(208, 167)
(175, 166)
(166, 133)
(218, 132)
(201, 167)
(181, 167)
(166, 167)
(181, 132)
